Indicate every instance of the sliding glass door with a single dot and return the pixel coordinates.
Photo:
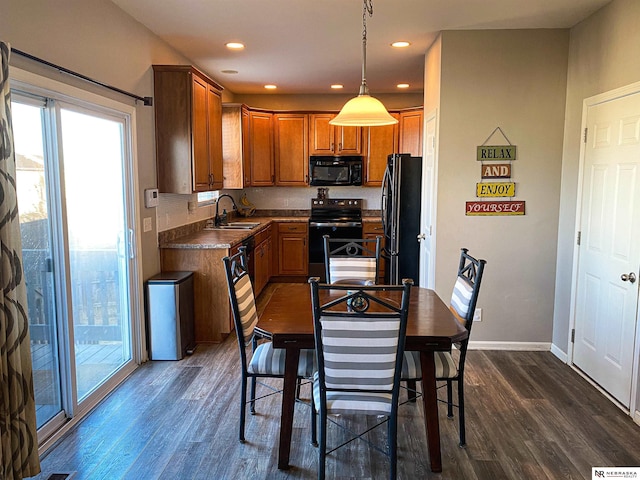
(73, 174)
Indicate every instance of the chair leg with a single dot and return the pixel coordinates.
(411, 390)
(322, 447)
(253, 396)
(243, 401)
(449, 399)
(463, 439)
(392, 436)
(314, 423)
(298, 385)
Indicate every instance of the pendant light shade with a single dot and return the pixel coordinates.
(364, 110)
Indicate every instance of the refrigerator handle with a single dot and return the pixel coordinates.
(386, 191)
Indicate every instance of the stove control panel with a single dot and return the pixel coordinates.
(336, 203)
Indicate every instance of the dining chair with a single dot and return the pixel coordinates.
(264, 361)
(359, 354)
(463, 305)
(352, 260)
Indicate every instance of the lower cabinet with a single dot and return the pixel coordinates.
(262, 259)
(293, 248)
(372, 230)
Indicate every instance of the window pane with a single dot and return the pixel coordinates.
(37, 258)
(97, 234)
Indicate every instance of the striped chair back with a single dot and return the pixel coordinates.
(247, 313)
(352, 260)
(360, 353)
(464, 297)
(345, 268)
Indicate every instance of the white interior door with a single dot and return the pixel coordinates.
(609, 252)
(427, 242)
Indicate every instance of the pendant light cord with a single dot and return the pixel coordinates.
(367, 8)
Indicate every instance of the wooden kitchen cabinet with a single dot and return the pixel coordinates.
(411, 132)
(291, 149)
(327, 139)
(236, 146)
(188, 121)
(262, 259)
(261, 148)
(380, 142)
(293, 250)
(372, 230)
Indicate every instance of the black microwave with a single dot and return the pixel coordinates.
(326, 171)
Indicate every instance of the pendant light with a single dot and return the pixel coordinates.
(364, 110)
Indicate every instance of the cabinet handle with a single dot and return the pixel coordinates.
(340, 147)
(332, 145)
(273, 178)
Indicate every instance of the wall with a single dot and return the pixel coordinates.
(603, 55)
(97, 39)
(514, 79)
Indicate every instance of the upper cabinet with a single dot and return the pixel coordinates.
(411, 132)
(380, 142)
(327, 139)
(236, 146)
(291, 149)
(261, 148)
(188, 116)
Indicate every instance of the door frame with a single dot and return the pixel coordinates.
(588, 102)
(427, 279)
(48, 87)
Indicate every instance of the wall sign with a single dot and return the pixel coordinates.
(488, 155)
(496, 152)
(496, 189)
(496, 170)
(512, 207)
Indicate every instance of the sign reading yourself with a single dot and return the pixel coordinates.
(495, 208)
(496, 170)
(497, 152)
(494, 189)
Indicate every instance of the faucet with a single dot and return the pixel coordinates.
(216, 220)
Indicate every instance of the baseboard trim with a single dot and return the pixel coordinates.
(514, 346)
(559, 353)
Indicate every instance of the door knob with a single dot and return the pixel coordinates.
(421, 237)
(631, 277)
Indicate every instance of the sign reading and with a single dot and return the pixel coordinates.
(496, 170)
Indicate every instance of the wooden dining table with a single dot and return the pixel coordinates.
(287, 319)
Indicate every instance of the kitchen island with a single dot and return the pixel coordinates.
(201, 251)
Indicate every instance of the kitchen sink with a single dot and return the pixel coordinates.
(237, 226)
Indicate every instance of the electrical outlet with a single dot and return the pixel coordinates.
(477, 315)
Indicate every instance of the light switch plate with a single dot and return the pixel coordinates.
(146, 224)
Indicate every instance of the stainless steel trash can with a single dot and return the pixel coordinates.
(170, 315)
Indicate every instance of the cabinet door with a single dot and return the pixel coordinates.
(261, 268)
(199, 141)
(373, 230)
(214, 106)
(411, 133)
(293, 250)
(349, 140)
(380, 142)
(246, 147)
(322, 140)
(261, 138)
(291, 149)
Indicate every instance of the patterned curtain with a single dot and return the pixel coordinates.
(18, 439)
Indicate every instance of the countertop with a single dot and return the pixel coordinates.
(221, 238)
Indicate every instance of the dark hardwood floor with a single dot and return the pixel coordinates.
(529, 416)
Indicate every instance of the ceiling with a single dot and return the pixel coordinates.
(304, 46)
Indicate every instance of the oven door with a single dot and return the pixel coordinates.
(347, 230)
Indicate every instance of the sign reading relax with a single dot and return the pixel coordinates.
(496, 152)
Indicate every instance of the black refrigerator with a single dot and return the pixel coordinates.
(401, 190)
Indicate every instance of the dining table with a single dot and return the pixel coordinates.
(287, 318)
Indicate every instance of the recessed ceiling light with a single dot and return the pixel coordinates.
(270, 87)
(400, 44)
(403, 85)
(230, 72)
(337, 86)
(235, 45)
